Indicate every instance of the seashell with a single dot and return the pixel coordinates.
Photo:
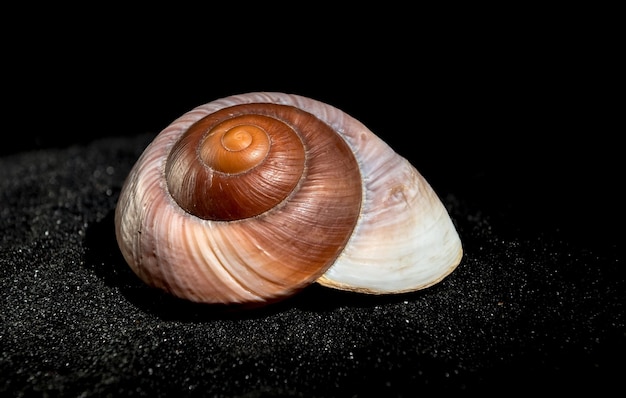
(250, 198)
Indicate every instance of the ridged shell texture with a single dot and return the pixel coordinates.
(253, 197)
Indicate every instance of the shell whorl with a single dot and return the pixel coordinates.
(225, 228)
(244, 160)
(252, 197)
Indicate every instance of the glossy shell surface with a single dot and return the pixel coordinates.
(348, 211)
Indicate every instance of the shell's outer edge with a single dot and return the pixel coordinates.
(405, 239)
(196, 262)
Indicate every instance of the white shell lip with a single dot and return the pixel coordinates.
(404, 239)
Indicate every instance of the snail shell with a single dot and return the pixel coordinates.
(252, 197)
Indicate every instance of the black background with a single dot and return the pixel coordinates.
(508, 111)
(521, 97)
